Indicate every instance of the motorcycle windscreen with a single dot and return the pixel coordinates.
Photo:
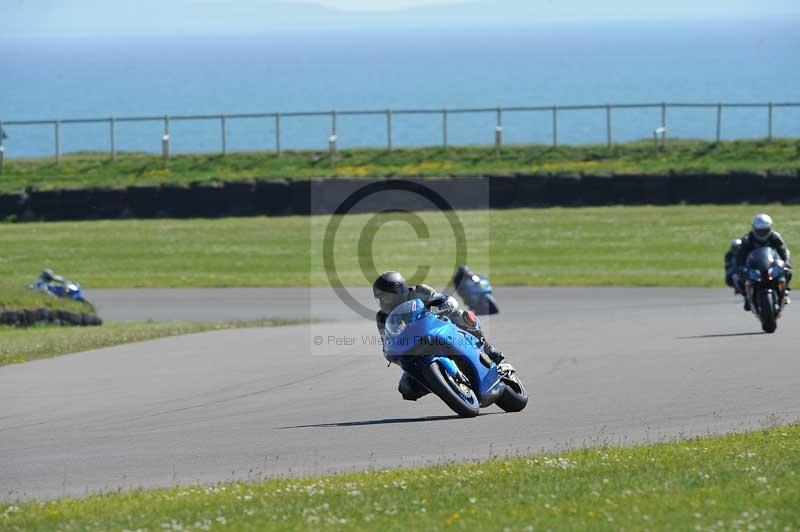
(762, 259)
(402, 316)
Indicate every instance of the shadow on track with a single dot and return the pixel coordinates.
(719, 335)
(389, 421)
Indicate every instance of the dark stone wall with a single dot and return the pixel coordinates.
(323, 196)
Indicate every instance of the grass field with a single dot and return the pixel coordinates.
(635, 246)
(737, 482)
(96, 169)
(23, 345)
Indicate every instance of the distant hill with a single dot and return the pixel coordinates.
(35, 17)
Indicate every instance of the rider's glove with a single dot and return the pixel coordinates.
(448, 304)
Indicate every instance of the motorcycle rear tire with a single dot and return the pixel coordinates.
(441, 384)
(515, 396)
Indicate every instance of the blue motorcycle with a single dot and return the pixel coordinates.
(449, 361)
(476, 291)
(57, 286)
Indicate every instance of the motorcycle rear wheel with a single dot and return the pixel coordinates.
(460, 398)
(515, 396)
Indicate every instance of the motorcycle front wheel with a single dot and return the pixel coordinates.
(458, 396)
(768, 318)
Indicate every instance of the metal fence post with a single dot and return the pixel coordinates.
(555, 126)
(444, 128)
(165, 142)
(608, 124)
(2, 148)
(332, 148)
(224, 134)
(333, 123)
(498, 133)
(112, 137)
(57, 133)
(278, 134)
(389, 129)
(663, 123)
(165, 149)
(719, 122)
(769, 122)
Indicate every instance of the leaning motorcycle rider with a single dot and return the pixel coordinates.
(763, 235)
(390, 290)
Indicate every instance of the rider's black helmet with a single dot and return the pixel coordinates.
(390, 290)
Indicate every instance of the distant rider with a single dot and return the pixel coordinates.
(731, 276)
(391, 290)
(762, 235)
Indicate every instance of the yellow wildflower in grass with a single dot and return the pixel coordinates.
(157, 172)
(356, 171)
(426, 167)
(452, 519)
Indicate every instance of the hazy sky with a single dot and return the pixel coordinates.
(106, 17)
(380, 5)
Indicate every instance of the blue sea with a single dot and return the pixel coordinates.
(62, 78)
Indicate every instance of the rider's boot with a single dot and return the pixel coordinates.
(494, 354)
(409, 388)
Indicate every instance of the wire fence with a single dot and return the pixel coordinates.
(11, 142)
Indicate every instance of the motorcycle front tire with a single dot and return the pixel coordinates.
(445, 387)
(768, 318)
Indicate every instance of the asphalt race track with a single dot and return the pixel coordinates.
(603, 366)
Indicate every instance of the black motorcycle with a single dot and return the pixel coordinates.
(765, 286)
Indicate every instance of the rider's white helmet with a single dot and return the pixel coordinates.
(762, 227)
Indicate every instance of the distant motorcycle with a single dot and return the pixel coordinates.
(730, 265)
(476, 291)
(449, 361)
(57, 286)
(765, 286)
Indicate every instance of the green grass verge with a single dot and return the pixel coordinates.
(17, 297)
(82, 170)
(737, 482)
(23, 345)
(634, 246)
